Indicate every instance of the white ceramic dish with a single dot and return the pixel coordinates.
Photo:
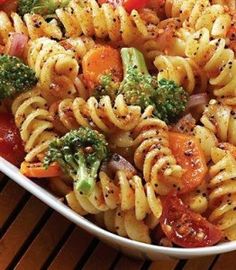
(127, 246)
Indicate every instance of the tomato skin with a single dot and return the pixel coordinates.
(129, 5)
(11, 145)
(189, 155)
(3, 1)
(186, 228)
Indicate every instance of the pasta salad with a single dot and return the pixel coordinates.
(128, 110)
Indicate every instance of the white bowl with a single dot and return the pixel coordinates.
(130, 247)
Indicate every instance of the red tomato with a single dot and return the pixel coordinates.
(11, 146)
(189, 155)
(129, 5)
(186, 228)
(3, 1)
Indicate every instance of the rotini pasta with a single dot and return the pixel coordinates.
(33, 120)
(220, 120)
(152, 154)
(88, 18)
(55, 67)
(222, 198)
(119, 199)
(98, 114)
(198, 14)
(181, 70)
(217, 61)
(33, 25)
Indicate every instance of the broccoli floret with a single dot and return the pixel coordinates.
(138, 85)
(170, 100)
(15, 76)
(43, 7)
(80, 154)
(106, 87)
(140, 88)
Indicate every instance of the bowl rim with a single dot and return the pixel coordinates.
(49, 199)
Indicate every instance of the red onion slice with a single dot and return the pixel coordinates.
(197, 100)
(17, 43)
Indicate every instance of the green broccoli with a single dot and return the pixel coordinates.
(138, 85)
(15, 76)
(170, 100)
(43, 7)
(80, 154)
(140, 88)
(107, 87)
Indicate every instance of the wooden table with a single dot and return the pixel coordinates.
(33, 237)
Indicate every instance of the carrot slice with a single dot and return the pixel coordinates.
(36, 170)
(99, 61)
(189, 155)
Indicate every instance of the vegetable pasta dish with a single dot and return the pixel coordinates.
(127, 110)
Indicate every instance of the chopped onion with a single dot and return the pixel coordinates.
(197, 100)
(16, 44)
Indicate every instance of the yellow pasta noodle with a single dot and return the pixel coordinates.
(33, 120)
(181, 70)
(217, 61)
(198, 14)
(105, 21)
(220, 120)
(33, 25)
(152, 153)
(56, 68)
(101, 114)
(222, 198)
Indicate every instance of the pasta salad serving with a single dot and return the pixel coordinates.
(128, 110)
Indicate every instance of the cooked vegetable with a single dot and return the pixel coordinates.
(186, 228)
(80, 154)
(37, 170)
(100, 61)
(11, 145)
(129, 5)
(43, 7)
(190, 157)
(140, 88)
(16, 44)
(15, 76)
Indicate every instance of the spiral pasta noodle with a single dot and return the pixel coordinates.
(152, 153)
(33, 120)
(114, 200)
(221, 121)
(222, 199)
(217, 61)
(102, 114)
(33, 25)
(56, 68)
(170, 41)
(198, 14)
(181, 70)
(90, 19)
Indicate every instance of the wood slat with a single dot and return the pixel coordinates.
(129, 264)
(165, 265)
(203, 263)
(225, 261)
(45, 242)
(10, 197)
(20, 230)
(102, 258)
(72, 250)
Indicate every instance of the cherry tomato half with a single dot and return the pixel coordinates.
(11, 146)
(186, 228)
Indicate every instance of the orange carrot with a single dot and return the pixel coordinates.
(189, 155)
(36, 170)
(99, 61)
